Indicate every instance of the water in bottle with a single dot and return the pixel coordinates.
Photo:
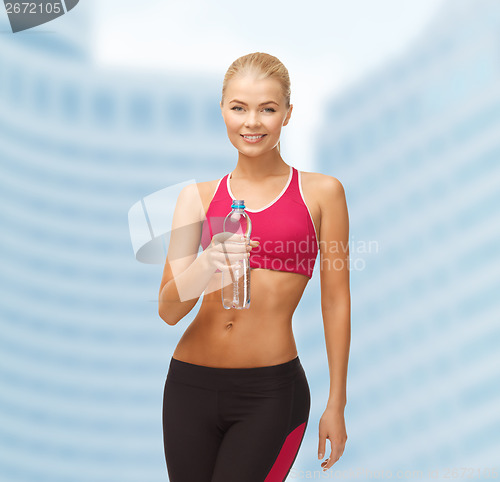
(236, 292)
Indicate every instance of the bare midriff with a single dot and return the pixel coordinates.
(258, 336)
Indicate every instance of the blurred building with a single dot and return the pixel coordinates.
(83, 351)
(416, 145)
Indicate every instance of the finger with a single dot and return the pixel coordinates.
(227, 250)
(327, 463)
(229, 261)
(225, 268)
(232, 258)
(221, 266)
(236, 238)
(321, 446)
(334, 456)
(339, 450)
(232, 244)
(223, 236)
(236, 253)
(227, 240)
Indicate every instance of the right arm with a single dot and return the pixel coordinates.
(179, 294)
(186, 275)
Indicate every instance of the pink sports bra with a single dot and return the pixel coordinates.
(284, 228)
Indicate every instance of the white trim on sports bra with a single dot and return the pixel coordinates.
(268, 205)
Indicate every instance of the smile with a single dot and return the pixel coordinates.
(253, 139)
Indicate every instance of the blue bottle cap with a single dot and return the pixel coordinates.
(238, 203)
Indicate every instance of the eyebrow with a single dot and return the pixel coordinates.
(263, 103)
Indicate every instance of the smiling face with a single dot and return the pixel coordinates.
(254, 111)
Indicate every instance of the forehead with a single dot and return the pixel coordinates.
(250, 89)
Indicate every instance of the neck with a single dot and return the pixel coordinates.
(260, 167)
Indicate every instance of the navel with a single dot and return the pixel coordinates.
(229, 325)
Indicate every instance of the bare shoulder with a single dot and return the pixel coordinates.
(322, 188)
(206, 191)
(207, 188)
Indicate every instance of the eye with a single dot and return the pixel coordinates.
(269, 109)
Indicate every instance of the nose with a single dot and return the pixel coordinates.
(252, 119)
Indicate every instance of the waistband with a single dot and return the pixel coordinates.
(257, 378)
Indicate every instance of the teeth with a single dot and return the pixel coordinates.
(253, 137)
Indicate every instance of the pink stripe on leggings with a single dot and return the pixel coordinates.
(287, 455)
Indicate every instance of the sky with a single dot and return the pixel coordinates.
(326, 45)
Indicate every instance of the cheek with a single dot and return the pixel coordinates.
(275, 126)
(233, 124)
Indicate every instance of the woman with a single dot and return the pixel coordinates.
(236, 400)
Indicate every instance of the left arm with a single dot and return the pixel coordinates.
(336, 310)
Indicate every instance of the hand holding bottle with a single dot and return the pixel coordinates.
(227, 249)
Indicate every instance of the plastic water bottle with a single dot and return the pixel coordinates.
(237, 293)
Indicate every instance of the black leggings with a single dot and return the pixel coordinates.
(233, 424)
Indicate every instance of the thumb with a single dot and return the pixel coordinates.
(321, 445)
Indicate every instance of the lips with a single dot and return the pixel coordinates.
(253, 138)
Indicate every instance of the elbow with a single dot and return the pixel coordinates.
(166, 318)
(165, 311)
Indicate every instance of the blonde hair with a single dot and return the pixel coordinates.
(262, 65)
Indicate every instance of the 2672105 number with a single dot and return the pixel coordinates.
(33, 7)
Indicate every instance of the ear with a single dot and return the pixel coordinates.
(289, 113)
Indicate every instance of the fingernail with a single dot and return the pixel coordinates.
(320, 456)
